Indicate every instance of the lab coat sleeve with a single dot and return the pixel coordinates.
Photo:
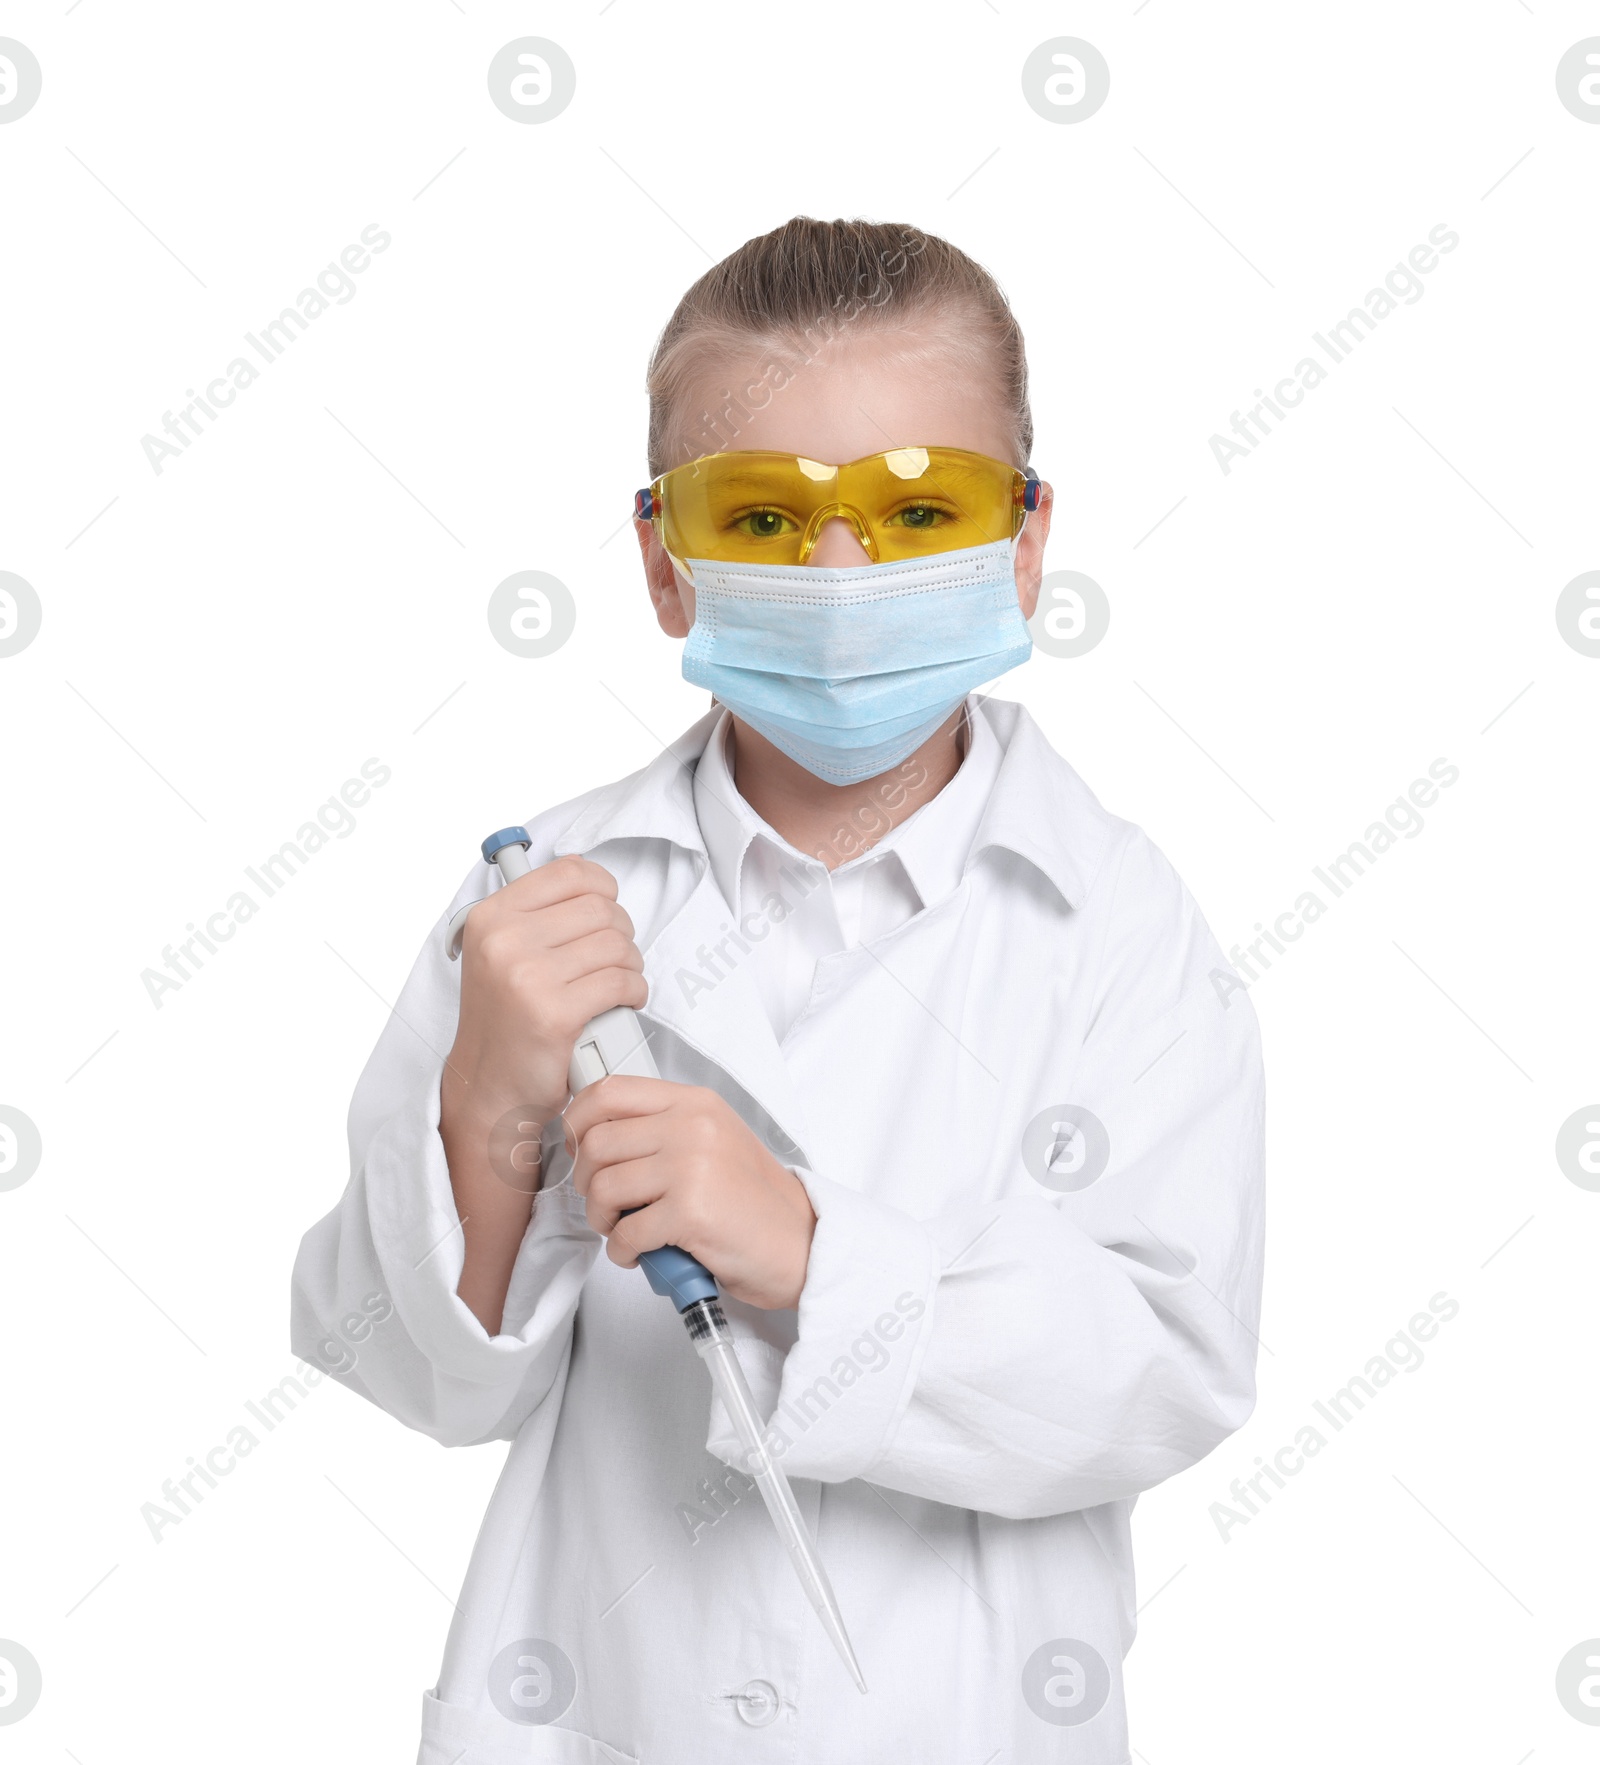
(1061, 1350)
(374, 1299)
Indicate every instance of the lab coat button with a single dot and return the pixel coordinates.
(757, 1703)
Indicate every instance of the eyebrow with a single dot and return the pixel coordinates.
(751, 477)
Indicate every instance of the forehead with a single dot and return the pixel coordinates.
(854, 397)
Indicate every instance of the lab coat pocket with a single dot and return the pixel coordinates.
(453, 1734)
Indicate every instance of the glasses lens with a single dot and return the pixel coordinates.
(765, 508)
(751, 508)
(919, 500)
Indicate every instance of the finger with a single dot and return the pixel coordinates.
(639, 1233)
(623, 1189)
(614, 1097)
(556, 912)
(611, 948)
(615, 1142)
(580, 916)
(604, 990)
(559, 880)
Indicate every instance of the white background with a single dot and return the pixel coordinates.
(224, 643)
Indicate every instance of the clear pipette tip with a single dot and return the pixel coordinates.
(708, 1330)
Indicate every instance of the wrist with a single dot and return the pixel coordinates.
(475, 1094)
(473, 1118)
(800, 1200)
(805, 1225)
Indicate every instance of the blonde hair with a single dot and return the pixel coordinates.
(800, 287)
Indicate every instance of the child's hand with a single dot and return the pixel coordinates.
(702, 1179)
(539, 958)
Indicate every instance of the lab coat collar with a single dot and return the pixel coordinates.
(1038, 809)
(657, 802)
(727, 822)
(931, 846)
(935, 843)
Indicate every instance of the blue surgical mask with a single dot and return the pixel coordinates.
(849, 671)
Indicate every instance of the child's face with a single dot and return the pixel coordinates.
(856, 398)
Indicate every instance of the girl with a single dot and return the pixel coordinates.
(954, 1105)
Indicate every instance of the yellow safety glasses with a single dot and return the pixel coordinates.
(769, 508)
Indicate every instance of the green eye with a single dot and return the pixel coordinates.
(920, 517)
(764, 524)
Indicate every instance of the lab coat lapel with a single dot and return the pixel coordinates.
(714, 1009)
(723, 1018)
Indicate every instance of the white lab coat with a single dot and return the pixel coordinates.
(985, 1367)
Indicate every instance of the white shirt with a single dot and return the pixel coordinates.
(1030, 1120)
(789, 909)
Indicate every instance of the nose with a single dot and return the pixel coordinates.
(838, 547)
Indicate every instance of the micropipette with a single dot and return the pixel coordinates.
(614, 1042)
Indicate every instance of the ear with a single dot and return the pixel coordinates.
(670, 595)
(1030, 552)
